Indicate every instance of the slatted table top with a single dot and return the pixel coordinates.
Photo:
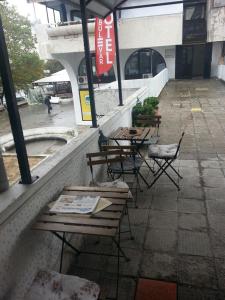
(123, 133)
(103, 223)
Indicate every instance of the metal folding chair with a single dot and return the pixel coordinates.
(167, 154)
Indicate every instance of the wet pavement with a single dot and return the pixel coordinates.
(179, 236)
(34, 116)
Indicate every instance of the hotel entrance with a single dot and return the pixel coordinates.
(193, 61)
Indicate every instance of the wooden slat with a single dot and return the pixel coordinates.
(102, 215)
(96, 189)
(101, 194)
(105, 153)
(89, 230)
(105, 161)
(109, 215)
(114, 208)
(78, 221)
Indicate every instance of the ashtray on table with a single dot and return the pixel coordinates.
(132, 131)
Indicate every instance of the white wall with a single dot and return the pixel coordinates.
(153, 86)
(216, 57)
(150, 11)
(155, 31)
(221, 72)
(23, 251)
(215, 23)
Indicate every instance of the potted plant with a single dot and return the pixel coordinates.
(147, 110)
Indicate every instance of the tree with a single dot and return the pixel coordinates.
(53, 66)
(25, 63)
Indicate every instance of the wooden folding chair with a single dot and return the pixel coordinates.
(150, 121)
(120, 160)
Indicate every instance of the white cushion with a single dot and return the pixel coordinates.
(161, 151)
(50, 285)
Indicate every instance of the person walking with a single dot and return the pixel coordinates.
(48, 103)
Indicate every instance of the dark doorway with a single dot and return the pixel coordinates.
(193, 61)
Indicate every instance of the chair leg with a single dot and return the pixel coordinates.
(176, 172)
(128, 218)
(163, 170)
(142, 177)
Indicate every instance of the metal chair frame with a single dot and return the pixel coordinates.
(167, 164)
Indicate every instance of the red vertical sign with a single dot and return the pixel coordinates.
(104, 44)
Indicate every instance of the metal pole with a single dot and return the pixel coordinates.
(13, 112)
(46, 7)
(118, 59)
(88, 62)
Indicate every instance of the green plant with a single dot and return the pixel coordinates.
(148, 107)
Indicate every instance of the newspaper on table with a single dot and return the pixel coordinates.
(75, 204)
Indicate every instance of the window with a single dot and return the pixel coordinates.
(144, 63)
(104, 78)
(195, 12)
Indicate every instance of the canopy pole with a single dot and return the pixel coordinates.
(13, 112)
(88, 62)
(118, 59)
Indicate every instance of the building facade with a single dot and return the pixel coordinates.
(187, 39)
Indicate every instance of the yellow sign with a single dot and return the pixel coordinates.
(85, 105)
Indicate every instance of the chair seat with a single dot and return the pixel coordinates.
(116, 183)
(162, 151)
(129, 164)
(50, 285)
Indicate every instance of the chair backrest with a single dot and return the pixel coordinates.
(110, 154)
(147, 120)
(179, 144)
(102, 140)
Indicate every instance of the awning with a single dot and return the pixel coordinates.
(100, 8)
(61, 76)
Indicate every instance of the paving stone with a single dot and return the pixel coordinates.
(213, 181)
(159, 266)
(194, 243)
(218, 244)
(194, 222)
(164, 204)
(161, 219)
(189, 172)
(197, 271)
(188, 163)
(127, 287)
(138, 217)
(209, 172)
(217, 224)
(161, 240)
(210, 164)
(214, 193)
(191, 206)
(191, 192)
(137, 242)
(127, 268)
(191, 293)
(189, 182)
(220, 268)
(216, 206)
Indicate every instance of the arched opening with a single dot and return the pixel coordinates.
(144, 63)
(104, 78)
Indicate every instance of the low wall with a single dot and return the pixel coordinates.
(221, 72)
(154, 85)
(23, 251)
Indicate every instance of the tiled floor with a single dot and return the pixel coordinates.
(179, 236)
